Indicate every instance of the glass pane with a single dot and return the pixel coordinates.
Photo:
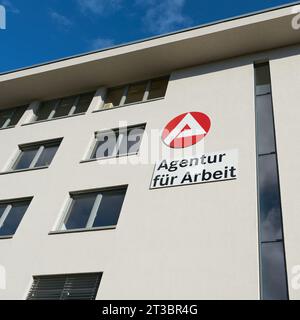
(274, 282)
(131, 141)
(45, 109)
(158, 88)
(4, 115)
(25, 158)
(110, 208)
(84, 102)
(17, 115)
(14, 218)
(113, 97)
(265, 124)
(262, 74)
(136, 92)
(64, 107)
(47, 156)
(80, 211)
(262, 78)
(105, 144)
(269, 197)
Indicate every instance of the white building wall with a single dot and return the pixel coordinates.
(198, 241)
(286, 100)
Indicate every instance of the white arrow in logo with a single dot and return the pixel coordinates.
(187, 127)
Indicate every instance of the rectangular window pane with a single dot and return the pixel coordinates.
(158, 88)
(64, 107)
(131, 141)
(84, 102)
(14, 218)
(110, 208)
(25, 158)
(136, 92)
(80, 211)
(113, 97)
(265, 124)
(274, 282)
(97, 209)
(45, 109)
(269, 199)
(47, 155)
(4, 116)
(105, 144)
(18, 113)
(262, 79)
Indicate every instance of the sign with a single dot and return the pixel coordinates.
(186, 130)
(209, 167)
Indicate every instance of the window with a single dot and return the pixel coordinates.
(64, 107)
(36, 155)
(117, 142)
(272, 256)
(65, 287)
(100, 209)
(11, 214)
(136, 92)
(10, 117)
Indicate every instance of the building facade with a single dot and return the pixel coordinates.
(74, 223)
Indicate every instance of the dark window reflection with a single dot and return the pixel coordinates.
(93, 210)
(109, 209)
(26, 158)
(269, 198)
(262, 79)
(274, 282)
(272, 262)
(47, 156)
(80, 211)
(15, 214)
(265, 124)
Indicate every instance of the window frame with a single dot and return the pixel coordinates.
(93, 144)
(6, 124)
(10, 202)
(126, 90)
(66, 210)
(57, 103)
(29, 146)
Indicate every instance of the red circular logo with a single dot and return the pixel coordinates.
(186, 130)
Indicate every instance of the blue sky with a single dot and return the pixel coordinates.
(39, 31)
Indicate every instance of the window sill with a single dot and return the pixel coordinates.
(53, 119)
(110, 157)
(5, 237)
(82, 230)
(129, 104)
(23, 170)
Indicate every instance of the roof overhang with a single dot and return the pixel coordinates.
(149, 58)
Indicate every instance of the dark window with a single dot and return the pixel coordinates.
(272, 256)
(136, 92)
(118, 142)
(65, 287)
(64, 107)
(94, 210)
(36, 155)
(10, 117)
(11, 214)
(158, 88)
